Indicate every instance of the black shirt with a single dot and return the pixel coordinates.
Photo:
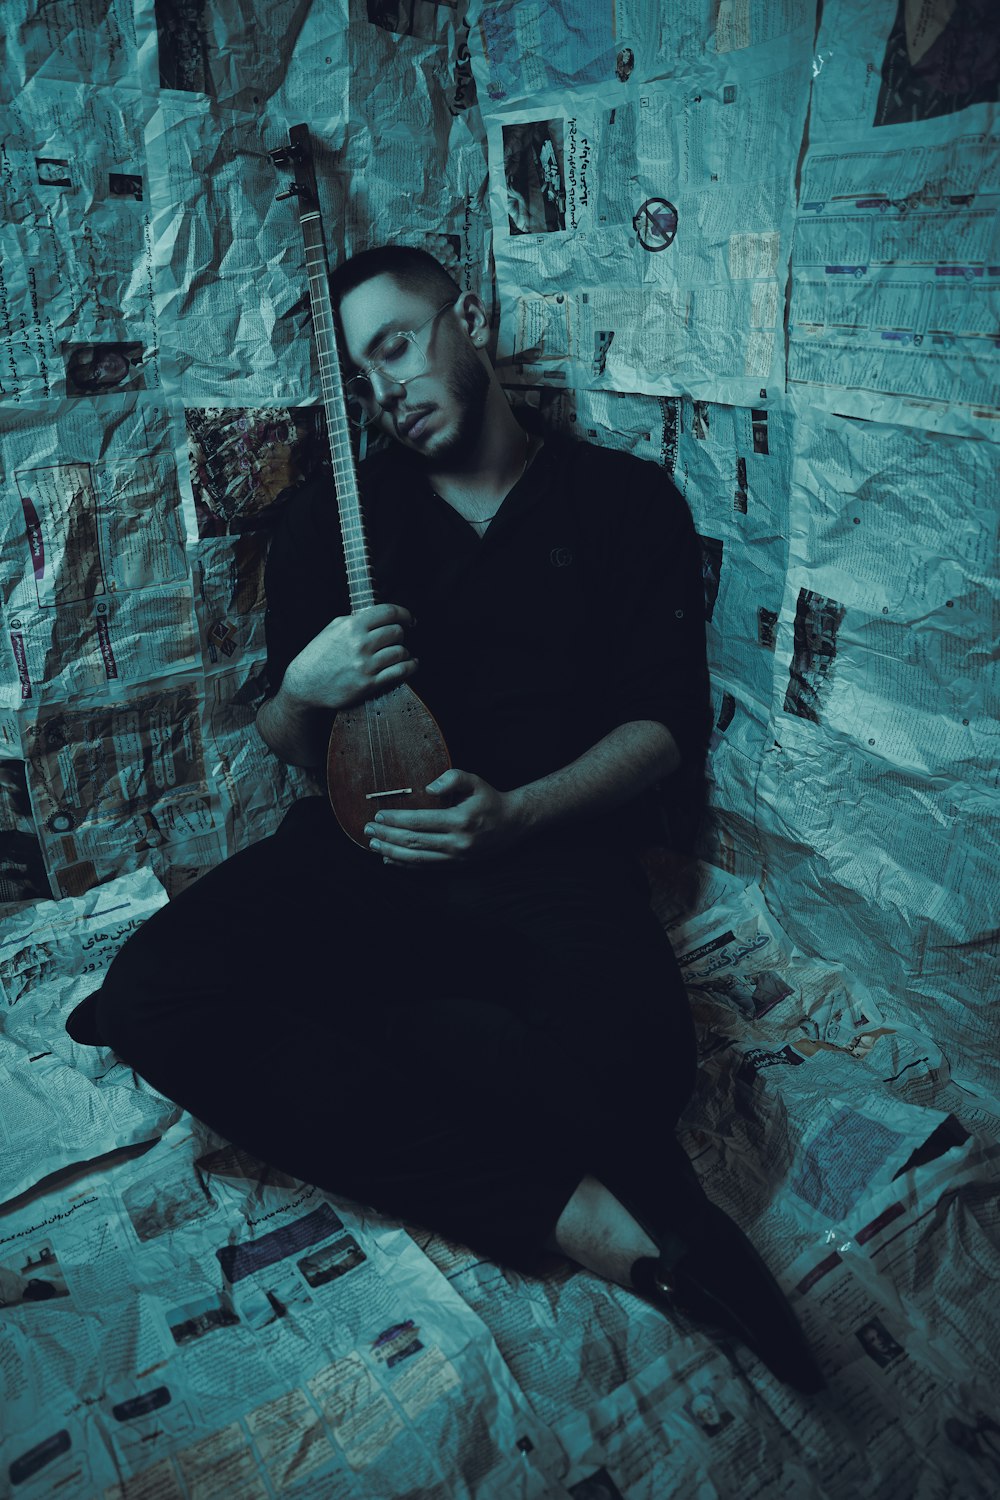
(580, 609)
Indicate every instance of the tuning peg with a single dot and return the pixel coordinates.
(282, 155)
(292, 192)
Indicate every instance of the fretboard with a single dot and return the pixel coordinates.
(359, 574)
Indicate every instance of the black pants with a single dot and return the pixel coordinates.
(456, 1046)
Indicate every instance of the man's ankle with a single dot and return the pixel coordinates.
(599, 1233)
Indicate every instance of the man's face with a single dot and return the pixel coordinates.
(438, 413)
(877, 1342)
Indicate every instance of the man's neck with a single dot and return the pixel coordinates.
(477, 481)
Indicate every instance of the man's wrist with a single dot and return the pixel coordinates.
(289, 698)
(524, 809)
(292, 727)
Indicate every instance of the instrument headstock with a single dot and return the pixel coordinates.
(297, 156)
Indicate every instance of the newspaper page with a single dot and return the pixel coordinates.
(831, 1093)
(896, 289)
(115, 786)
(566, 1336)
(76, 41)
(225, 53)
(883, 686)
(691, 1426)
(96, 593)
(221, 1328)
(736, 955)
(76, 306)
(23, 878)
(382, 184)
(913, 1343)
(136, 566)
(227, 255)
(61, 1103)
(644, 426)
(903, 672)
(523, 49)
(911, 912)
(644, 247)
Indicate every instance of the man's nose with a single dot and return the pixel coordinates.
(386, 389)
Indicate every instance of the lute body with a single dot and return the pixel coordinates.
(383, 753)
(385, 750)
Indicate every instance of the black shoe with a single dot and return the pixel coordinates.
(720, 1279)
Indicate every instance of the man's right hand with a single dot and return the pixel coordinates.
(352, 658)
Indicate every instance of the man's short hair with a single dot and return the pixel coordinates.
(412, 268)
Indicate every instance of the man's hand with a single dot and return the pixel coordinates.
(474, 819)
(352, 658)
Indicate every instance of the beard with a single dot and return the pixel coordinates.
(468, 384)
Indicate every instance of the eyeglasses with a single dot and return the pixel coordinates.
(398, 359)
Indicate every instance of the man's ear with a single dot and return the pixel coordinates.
(472, 312)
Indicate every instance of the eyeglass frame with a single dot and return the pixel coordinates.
(367, 371)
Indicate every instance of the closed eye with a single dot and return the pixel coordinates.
(393, 348)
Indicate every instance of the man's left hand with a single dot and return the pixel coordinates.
(473, 820)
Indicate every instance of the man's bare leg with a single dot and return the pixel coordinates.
(723, 1282)
(596, 1231)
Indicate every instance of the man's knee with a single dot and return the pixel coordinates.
(117, 1009)
(101, 1020)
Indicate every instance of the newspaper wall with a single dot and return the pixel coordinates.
(753, 243)
(158, 389)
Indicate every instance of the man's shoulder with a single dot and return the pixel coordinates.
(611, 482)
(583, 456)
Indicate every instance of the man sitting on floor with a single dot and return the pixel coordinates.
(475, 1022)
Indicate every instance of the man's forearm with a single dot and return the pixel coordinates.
(295, 731)
(629, 760)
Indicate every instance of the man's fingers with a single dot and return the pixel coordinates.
(418, 820)
(407, 845)
(388, 657)
(412, 857)
(453, 786)
(385, 635)
(410, 843)
(396, 673)
(375, 615)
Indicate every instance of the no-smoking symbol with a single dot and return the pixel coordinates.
(655, 224)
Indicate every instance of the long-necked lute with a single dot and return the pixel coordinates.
(384, 750)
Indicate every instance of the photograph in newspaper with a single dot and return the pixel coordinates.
(535, 174)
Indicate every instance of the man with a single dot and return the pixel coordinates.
(475, 1022)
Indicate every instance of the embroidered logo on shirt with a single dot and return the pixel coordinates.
(560, 557)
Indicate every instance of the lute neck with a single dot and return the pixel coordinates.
(359, 573)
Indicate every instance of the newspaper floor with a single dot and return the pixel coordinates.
(178, 1321)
